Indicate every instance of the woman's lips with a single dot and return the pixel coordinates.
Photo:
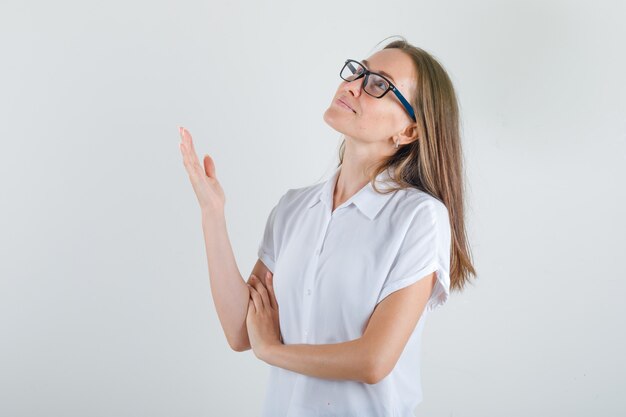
(341, 103)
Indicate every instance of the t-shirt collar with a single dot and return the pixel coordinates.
(367, 200)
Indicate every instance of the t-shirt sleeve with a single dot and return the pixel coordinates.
(267, 250)
(424, 249)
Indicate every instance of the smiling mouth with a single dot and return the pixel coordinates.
(345, 105)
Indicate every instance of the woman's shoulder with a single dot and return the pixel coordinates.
(301, 196)
(419, 202)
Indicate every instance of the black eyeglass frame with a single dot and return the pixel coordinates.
(366, 73)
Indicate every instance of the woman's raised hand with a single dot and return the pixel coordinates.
(203, 179)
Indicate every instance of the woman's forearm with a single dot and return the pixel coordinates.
(343, 361)
(229, 290)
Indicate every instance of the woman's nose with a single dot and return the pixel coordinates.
(355, 86)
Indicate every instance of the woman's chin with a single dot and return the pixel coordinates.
(336, 119)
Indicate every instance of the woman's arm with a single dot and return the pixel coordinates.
(342, 361)
(371, 357)
(229, 291)
(242, 340)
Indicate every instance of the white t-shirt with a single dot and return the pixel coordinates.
(332, 269)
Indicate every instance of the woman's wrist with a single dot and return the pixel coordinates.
(213, 217)
(268, 353)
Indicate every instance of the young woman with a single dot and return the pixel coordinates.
(359, 260)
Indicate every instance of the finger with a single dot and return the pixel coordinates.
(184, 150)
(183, 142)
(269, 278)
(260, 288)
(189, 144)
(251, 307)
(187, 161)
(193, 168)
(191, 163)
(209, 166)
(258, 303)
(251, 279)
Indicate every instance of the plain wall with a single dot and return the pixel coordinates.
(105, 305)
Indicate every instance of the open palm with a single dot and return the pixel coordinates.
(203, 179)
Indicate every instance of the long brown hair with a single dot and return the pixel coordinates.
(433, 163)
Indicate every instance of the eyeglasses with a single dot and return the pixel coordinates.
(376, 86)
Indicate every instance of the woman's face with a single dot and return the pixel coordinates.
(374, 119)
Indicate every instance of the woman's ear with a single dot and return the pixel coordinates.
(407, 135)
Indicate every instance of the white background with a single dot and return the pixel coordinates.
(105, 305)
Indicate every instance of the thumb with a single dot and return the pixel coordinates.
(269, 279)
(209, 166)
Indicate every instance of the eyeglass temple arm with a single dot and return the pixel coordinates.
(404, 102)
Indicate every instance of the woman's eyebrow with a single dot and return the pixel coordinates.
(367, 64)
